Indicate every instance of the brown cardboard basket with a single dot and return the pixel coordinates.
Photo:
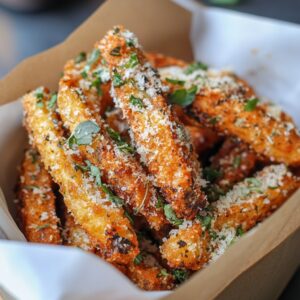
(261, 263)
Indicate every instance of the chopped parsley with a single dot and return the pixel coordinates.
(171, 216)
(180, 275)
(136, 102)
(175, 81)
(39, 94)
(214, 120)
(237, 162)
(183, 97)
(115, 51)
(211, 174)
(30, 187)
(116, 30)
(111, 196)
(251, 104)
(95, 173)
(128, 216)
(80, 57)
(133, 61)
(117, 80)
(205, 221)
(239, 231)
(52, 101)
(84, 74)
(213, 235)
(97, 84)
(163, 273)
(159, 202)
(41, 227)
(83, 134)
(122, 145)
(138, 259)
(94, 56)
(194, 67)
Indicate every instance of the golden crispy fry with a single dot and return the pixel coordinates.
(149, 275)
(186, 247)
(75, 235)
(238, 211)
(230, 104)
(160, 139)
(39, 220)
(158, 60)
(233, 162)
(87, 74)
(277, 140)
(120, 169)
(92, 208)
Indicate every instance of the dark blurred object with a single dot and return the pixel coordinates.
(28, 5)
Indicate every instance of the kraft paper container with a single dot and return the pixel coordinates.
(265, 52)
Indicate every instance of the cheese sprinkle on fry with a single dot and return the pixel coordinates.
(161, 141)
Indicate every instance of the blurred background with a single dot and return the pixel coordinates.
(30, 26)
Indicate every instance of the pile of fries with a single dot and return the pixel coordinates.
(153, 164)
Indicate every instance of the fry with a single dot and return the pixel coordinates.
(120, 169)
(233, 163)
(248, 203)
(160, 139)
(87, 74)
(75, 236)
(39, 219)
(92, 208)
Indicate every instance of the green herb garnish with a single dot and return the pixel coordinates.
(41, 227)
(175, 81)
(92, 59)
(117, 80)
(84, 74)
(237, 162)
(133, 61)
(129, 217)
(136, 102)
(30, 187)
(239, 231)
(180, 275)
(122, 145)
(160, 202)
(138, 259)
(52, 101)
(214, 120)
(83, 133)
(97, 84)
(171, 216)
(39, 94)
(213, 234)
(194, 67)
(183, 97)
(251, 104)
(80, 57)
(163, 273)
(111, 196)
(205, 221)
(115, 51)
(211, 174)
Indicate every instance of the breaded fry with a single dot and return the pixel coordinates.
(39, 219)
(233, 163)
(87, 74)
(94, 209)
(230, 105)
(248, 203)
(75, 236)
(277, 140)
(149, 275)
(160, 139)
(158, 60)
(186, 247)
(119, 167)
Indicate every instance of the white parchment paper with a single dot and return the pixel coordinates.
(265, 52)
